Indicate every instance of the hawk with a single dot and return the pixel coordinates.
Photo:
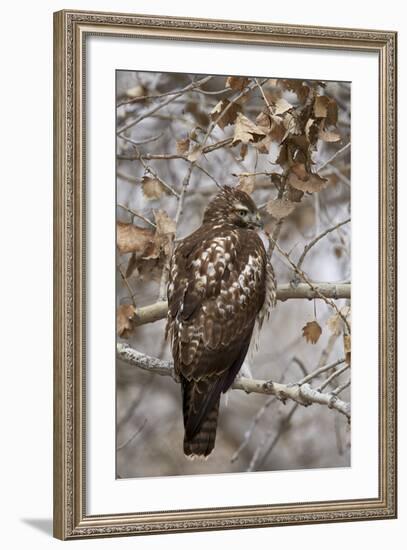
(220, 285)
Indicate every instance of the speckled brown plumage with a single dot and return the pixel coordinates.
(220, 284)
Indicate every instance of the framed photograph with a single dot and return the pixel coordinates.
(225, 274)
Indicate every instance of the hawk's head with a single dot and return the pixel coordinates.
(235, 207)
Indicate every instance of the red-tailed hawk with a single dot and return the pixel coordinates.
(220, 284)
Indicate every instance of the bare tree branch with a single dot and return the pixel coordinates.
(302, 394)
(191, 88)
(334, 157)
(158, 310)
(259, 457)
(164, 103)
(312, 285)
(312, 243)
(137, 215)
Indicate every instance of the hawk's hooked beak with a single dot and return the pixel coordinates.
(256, 221)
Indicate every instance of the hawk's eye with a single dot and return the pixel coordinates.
(243, 213)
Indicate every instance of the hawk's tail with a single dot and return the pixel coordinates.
(200, 418)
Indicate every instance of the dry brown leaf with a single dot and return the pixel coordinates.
(321, 106)
(311, 332)
(297, 87)
(294, 195)
(347, 347)
(272, 125)
(282, 106)
(125, 318)
(243, 151)
(332, 115)
(136, 91)
(229, 116)
(280, 208)
(131, 238)
(334, 323)
(152, 188)
(195, 153)
(237, 83)
(182, 146)
(246, 130)
(306, 182)
(165, 224)
(199, 115)
(166, 227)
(300, 171)
(151, 260)
(338, 251)
(311, 131)
(246, 183)
(327, 108)
(264, 121)
(292, 124)
(263, 146)
(328, 136)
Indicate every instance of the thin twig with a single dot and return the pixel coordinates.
(185, 184)
(148, 169)
(137, 215)
(340, 388)
(132, 437)
(334, 157)
(258, 458)
(166, 94)
(312, 243)
(126, 282)
(311, 285)
(164, 103)
(321, 370)
(143, 141)
(333, 376)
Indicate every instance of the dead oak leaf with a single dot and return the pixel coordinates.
(246, 131)
(326, 108)
(311, 332)
(182, 146)
(329, 136)
(137, 91)
(165, 224)
(195, 153)
(347, 347)
(246, 183)
(274, 129)
(152, 188)
(243, 151)
(280, 208)
(125, 319)
(305, 181)
(228, 117)
(131, 238)
(281, 106)
(151, 260)
(335, 323)
(301, 90)
(237, 83)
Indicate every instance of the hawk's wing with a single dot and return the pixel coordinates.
(217, 287)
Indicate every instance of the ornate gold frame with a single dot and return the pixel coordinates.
(70, 518)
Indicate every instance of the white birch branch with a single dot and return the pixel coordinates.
(302, 394)
(158, 310)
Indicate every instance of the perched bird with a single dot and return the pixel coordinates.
(220, 285)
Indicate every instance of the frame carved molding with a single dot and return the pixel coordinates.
(70, 31)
